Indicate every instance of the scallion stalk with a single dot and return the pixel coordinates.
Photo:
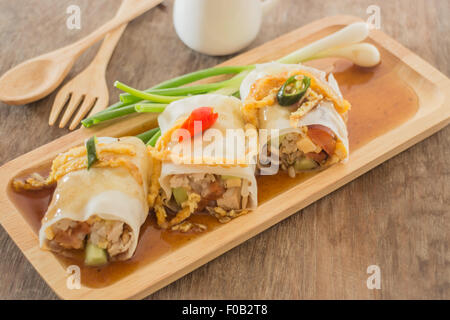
(172, 90)
(144, 95)
(234, 84)
(191, 90)
(149, 107)
(348, 35)
(187, 79)
(202, 74)
(154, 139)
(108, 115)
(147, 135)
(91, 151)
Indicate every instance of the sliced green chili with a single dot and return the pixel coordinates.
(91, 151)
(293, 90)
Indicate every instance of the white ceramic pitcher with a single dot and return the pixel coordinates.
(219, 27)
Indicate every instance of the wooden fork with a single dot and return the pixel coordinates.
(88, 90)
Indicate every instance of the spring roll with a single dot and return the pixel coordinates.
(101, 208)
(311, 133)
(226, 187)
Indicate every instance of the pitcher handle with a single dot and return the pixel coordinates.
(267, 5)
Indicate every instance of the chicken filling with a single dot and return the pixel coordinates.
(226, 192)
(315, 147)
(110, 236)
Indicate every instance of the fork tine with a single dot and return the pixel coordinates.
(73, 104)
(60, 100)
(88, 103)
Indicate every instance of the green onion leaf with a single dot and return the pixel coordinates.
(108, 115)
(126, 106)
(91, 152)
(150, 107)
(146, 136)
(152, 141)
(144, 95)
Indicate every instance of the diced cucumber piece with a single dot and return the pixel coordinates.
(180, 195)
(225, 177)
(95, 256)
(305, 164)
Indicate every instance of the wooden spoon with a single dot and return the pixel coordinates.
(36, 78)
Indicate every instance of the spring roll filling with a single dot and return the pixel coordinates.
(315, 147)
(224, 197)
(226, 192)
(311, 147)
(112, 235)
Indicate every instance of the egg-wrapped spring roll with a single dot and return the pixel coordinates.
(105, 205)
(312, 132)
(224, 188)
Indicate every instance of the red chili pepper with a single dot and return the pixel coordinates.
(205, 115)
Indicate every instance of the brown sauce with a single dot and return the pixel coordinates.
(153, 241)
(380, 102)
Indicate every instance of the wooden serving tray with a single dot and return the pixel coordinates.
(431, 88)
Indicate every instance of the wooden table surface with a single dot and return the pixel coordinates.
(396, 216)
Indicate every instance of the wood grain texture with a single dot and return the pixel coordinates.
(396, 216)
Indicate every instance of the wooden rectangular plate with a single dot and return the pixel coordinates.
(430, 86)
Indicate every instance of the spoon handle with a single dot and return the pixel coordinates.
(106, 50)
(124, 16)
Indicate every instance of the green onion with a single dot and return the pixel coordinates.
(234, 84)
(147, 135)
(149, 107)
(116, 105)
(108, 115)
(91, 151)
(173, 83)
(191, 90)
(351, 34)
(144, 95)
(152, 141)
(186, 79)
(172, 90)
(128, 99)
(202, 74)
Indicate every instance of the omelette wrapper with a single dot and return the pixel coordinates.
(220, 153)
(279, 120)
(113, 191)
